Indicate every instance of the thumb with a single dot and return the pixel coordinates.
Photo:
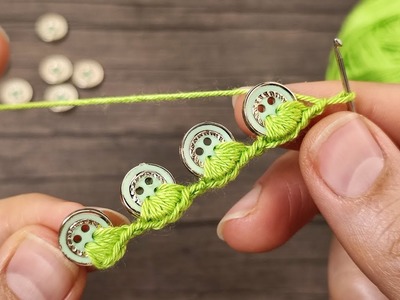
(4, 51)
(32, 267)
(352, 170)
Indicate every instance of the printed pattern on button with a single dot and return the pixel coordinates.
(140, 183)
(199, 143)
(77, 230)
(261, 102)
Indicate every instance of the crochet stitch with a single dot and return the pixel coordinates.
(170, 201)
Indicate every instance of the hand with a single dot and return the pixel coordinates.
(31, 265)
(4, 51)
(348, 169)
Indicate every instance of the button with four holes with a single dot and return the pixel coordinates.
(77, 230)
(142, 182)
(199, 143)
(55, 69)
(262, 101)
(61, 92)
(16, 90)
(51, 27)
(88, 73)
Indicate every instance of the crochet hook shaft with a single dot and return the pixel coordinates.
(337, 43)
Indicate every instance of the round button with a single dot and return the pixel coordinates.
(140, 183)
(55, 69)
(199, 143)
(262, 101)
(88, 73)
(77, 230)
(16, 90)
(4, 51)
(60, 93)
(51, 27)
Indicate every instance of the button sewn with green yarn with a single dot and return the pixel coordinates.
(199, 143)
(77, 230)
(140, 183)
(261, 102)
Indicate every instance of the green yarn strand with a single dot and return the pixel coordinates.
(125, 99)
(170, 201)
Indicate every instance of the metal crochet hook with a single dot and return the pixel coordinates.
(337, 43)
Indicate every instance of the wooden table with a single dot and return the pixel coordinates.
(152, 46)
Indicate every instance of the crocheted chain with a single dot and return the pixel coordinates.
(170, 201)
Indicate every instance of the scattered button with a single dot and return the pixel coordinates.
(16, 90)
(262, 101)
(51, 27)
(59, 93)
(77, 230)
(87, 74)
(55, 69)
(140, 183)
(199, 143)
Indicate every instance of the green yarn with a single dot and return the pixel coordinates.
(170, 201)
(371, 42)
(125, 99)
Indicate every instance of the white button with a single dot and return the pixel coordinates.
(51, 27)
(199, 143)
(262, 101)
(16, 90)
(77, 230)
(59, 93)
(55, 69)
(87, 74)
(140, 183)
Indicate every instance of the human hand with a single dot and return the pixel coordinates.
(4, 51)
(31, 265)
(348, 169)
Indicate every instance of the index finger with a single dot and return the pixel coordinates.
(38, 209)
(379, 102)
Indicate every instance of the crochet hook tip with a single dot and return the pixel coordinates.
(337, 43)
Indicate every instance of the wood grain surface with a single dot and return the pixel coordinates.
(151, 46)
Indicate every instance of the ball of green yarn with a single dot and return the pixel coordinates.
(371, 43)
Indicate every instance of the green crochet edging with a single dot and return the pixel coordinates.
(170, 201)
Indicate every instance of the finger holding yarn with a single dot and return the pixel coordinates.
(4, 51)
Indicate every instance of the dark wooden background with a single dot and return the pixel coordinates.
(151, 46)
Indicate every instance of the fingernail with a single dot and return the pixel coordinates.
(39, 271)
(350, 159)
(241, 209)
(116, 218)
(2, 31)
(234, 99)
